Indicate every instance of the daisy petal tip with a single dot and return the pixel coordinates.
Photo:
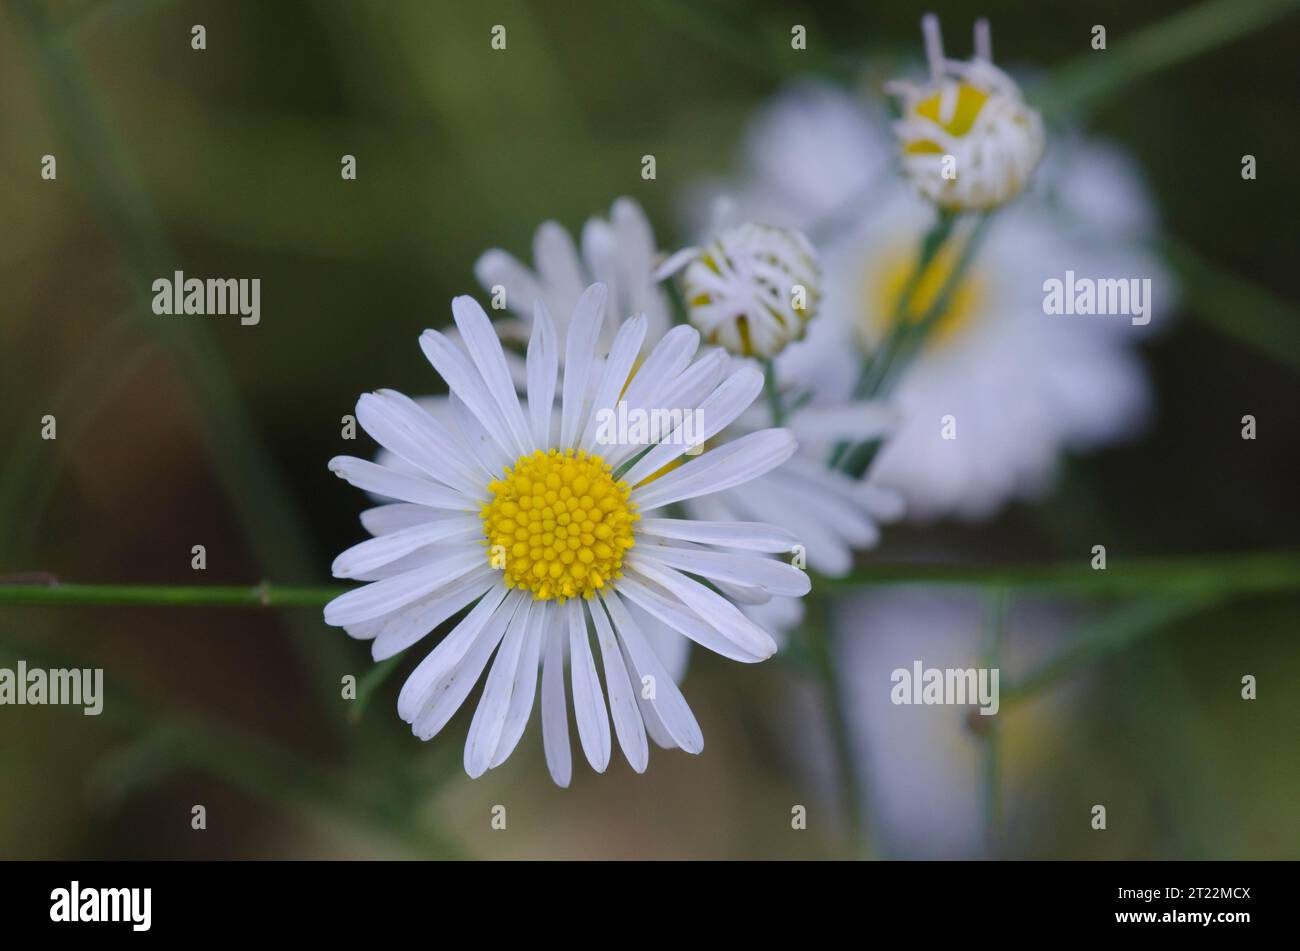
(331, 613)
(674, 263)
(487, 265)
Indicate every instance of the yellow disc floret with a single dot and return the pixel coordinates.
(956, 117)
(558, 524)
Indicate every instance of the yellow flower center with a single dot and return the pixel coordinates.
(558, 524)
(889, 278)
(969, 103)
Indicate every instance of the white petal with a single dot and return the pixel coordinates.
(618, 367)
(718, 410)
(669, 704)
(557, 263)
(396, 485)
(380, 597)
(669, 358)
(443, 659)
(675, 262)
(402, 426)
(635, 240)
(485, 350)
(622, 698)
(490, 716)
(741, 595)
(543, 360)
(377, 552)
(386, 519)
(670, 611)
(828, 495)
(715, 610)
(849, 421)
(733, 464)
(446, 695)
(484, 449)
(588, 701)
(671, 647)
(885, 505)
(580, 349)
(466, 383)
(524, 690)
(770, 574)
(695, 382)
(496, 267)
(753, 536)
(399, 630)
(555, 717)
(664, 365)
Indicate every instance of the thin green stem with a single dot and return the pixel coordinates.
(995, 623)
(190, 596)
(906, 336)
(818, 633)
(773, 392)
(1234, 306)
(1254, 572)
(1190, 575)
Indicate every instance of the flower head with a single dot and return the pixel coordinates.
(969, 140)
(752, 289)
(1022, 388)
(550, 527)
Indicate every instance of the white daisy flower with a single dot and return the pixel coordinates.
(1021, 386)
(968, 138)
(619, 252)
(752, 289)
(551, 535)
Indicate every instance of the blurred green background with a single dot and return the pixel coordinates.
(193, 431)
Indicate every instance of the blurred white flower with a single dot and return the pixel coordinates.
(751, 289)
(1021, 386)
(518, 513)
(923, 764)
(968, 139)
(831, 514)
(618, 252)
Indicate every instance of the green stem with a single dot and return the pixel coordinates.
(773, 392)
(1234, 306)
(848, 765)
(996, 623)
(1249, 573)
(191, 596)
(906, 337)
(1191, 574)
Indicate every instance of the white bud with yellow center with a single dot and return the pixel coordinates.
(969, 141)
(752, 289)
